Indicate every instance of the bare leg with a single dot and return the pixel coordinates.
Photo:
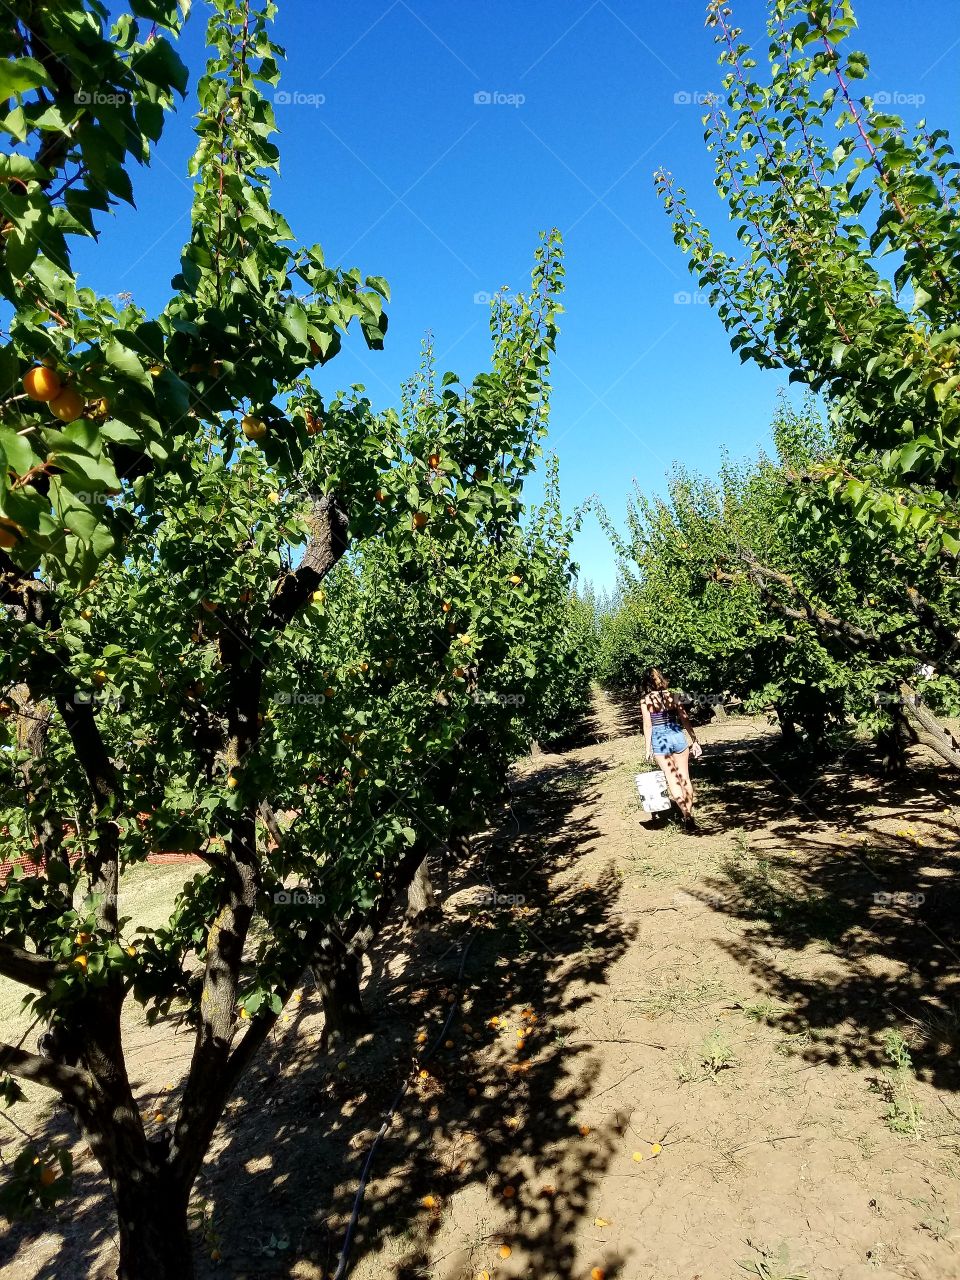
(676, 770)
(682, 762)
(674, 780)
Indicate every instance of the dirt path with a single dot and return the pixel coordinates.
(670, 1057)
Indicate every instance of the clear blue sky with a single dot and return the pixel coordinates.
(393, 167)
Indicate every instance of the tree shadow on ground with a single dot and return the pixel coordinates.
(490, 1110)
(82, 1224)
(492, 1115)
(627, 715)
(851, 931)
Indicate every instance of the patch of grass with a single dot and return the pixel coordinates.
(940, 1030)
(716, 1053)
(767, 894)
(939, 1228)
(680, 997)
(766, 1011)
(771, 1266)
(652, 870)
(896, 1086)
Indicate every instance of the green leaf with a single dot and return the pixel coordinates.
(19, 75)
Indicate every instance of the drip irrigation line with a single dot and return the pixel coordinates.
(341, 1270)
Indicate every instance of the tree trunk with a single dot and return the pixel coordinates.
(929, 729)
(788, 729)
(154, 1237)
(336, 971)
(893, 743)
(421, 899)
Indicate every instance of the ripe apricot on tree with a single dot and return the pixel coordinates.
(68, 405)
(420, 519)
(253, 428)
(41, 383)
(9, 535)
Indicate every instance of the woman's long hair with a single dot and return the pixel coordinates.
(654, 681)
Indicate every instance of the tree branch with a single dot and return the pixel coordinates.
(70, 1082)
(27, 967)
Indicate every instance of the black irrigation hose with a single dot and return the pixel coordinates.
(341, 1270)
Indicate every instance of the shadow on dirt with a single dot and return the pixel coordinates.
(810, 867)
(496, 1108)
(490, 1110)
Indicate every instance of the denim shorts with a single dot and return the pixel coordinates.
(668, 740)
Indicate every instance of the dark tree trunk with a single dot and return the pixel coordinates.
(336, 971)
(151, 1195)
(154, 1237)
(893, 743)
(788, 729)
(421, 899)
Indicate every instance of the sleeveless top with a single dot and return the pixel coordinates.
(666, 717)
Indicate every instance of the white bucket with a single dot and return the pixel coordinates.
(652, 790)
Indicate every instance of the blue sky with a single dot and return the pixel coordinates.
(391, 163)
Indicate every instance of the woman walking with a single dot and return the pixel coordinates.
(666, 729)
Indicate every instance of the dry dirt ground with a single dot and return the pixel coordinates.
(676, 1058)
